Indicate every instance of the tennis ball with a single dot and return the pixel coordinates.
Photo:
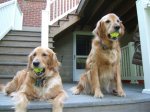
(38, 70)
(114, 34)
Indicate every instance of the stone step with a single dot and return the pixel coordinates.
(135, 101)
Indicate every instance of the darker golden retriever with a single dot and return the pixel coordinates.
(103, 63)
(43, 83)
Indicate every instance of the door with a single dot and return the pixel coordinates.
(82, 47)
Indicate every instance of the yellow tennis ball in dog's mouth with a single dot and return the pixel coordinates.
(38, 70)
(114, 34)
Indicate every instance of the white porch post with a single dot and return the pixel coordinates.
(143, 12)
(45, 25)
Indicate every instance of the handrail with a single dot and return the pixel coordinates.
(54, 11)
(11, 17)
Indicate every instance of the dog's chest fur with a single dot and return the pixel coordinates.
(40, 91)
(47, 87)
(107, 57)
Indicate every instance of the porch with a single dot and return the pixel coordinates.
(135, 101)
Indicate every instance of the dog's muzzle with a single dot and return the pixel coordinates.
(39, 71)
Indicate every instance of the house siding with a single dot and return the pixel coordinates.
(64, 48)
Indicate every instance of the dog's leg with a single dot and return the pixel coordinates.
(95, 84)
(15, 83)
(21, 102)
(120, 91)
(58, 102)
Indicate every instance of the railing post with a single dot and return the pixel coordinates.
(132, 66)
(45, 25)
(14, 14)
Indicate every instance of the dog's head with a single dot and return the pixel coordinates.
(108, 24)
(43, 59)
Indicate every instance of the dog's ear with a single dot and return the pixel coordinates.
(96, 31)
(29, 60)
(99, 30)
(53, 61)
(122, 28)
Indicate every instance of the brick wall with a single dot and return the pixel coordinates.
(32, 10)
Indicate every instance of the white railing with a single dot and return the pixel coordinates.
(11, 17)
(130, 71)
(55, 10)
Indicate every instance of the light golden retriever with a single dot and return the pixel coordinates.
(103, 63)
(45, 85)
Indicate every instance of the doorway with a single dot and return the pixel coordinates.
(81, 49)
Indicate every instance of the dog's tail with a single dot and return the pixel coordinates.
(59, 101)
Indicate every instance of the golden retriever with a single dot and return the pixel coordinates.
(103, 63)
(44, 85)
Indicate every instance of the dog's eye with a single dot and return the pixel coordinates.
(108, 21)
(118, 21)
(34, 54)
(44, 54)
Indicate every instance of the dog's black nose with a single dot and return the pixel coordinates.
(36, 63)
(116, 28)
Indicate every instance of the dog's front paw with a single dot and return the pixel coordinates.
(75, 91)
(98, 94)
(121, 92)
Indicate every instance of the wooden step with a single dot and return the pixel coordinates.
(24, 33)
(56, 29)
(10, 68)
(20, 43)
(14, 57)
(22, 38)
(16, 49)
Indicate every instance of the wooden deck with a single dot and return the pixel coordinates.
(135, 101)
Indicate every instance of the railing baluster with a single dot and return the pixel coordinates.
(69, 5)
(60, 2)
(53, 10)
(63, 6)
(72, 1)
(56, 8)
(75, 2)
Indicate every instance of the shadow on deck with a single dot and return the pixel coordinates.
(134, 101)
